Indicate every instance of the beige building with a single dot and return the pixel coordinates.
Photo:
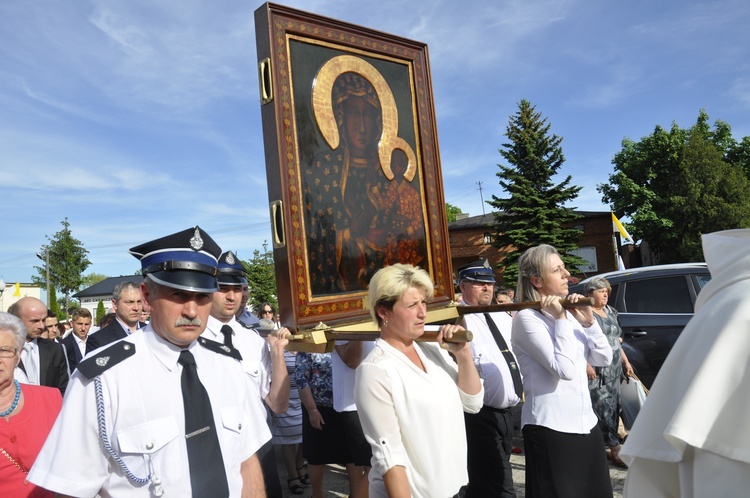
(12, 292)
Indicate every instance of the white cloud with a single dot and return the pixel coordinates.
(739, 89)
(138, 118)
(620, 83)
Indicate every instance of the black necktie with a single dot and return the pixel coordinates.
(207, 474)
(509, 358)
(227, 331)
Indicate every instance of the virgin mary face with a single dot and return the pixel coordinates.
(360, 125)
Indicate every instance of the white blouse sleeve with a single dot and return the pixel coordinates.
(378, 417)
(471, 403)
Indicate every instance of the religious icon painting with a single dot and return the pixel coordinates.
(352, 162)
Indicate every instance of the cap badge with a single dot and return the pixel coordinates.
(102, 361)
(196, 242)
(230, 258)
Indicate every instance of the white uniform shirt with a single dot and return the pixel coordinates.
(552, 355)
(256, 357)
(499, 391)
(145, 421)
(415, 418)
(343, 379)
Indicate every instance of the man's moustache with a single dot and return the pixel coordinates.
(181, 322)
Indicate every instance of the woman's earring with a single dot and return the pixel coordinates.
(385, 323)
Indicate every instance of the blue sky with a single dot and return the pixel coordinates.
(139, 118)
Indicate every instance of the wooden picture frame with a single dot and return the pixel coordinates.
(352, 161)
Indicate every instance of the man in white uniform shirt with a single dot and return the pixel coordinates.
(489, 433)
(244, 315)
(262, 360)
(163, 411)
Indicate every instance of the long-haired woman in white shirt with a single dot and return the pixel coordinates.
(564, 452)
(411, 396)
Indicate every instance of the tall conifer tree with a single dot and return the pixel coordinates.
(534, 211)
(100, 311)
(53, 304)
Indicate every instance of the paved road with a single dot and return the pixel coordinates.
(336, 485)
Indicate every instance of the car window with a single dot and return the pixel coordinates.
(703, 280)
(613, 295)
(658, 295)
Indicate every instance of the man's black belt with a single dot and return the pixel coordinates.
(499, 410)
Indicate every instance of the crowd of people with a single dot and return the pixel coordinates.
(193, 400)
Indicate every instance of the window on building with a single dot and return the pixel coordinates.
(589, 254)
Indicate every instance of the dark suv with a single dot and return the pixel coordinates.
(655, 303)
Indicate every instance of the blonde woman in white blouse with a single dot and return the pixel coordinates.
(411, 396)
(565, 456)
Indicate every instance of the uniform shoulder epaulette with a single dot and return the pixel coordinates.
(106, 359)
(245, 325)
(220, 348)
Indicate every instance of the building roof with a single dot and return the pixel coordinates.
(107, 286)
(488, 220)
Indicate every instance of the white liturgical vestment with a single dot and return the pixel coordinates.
(691, 438)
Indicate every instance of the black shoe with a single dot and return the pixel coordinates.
(294, 487)
(304, 478)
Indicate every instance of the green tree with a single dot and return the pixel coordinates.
(67, 261)
(100, 311)
(451, 212)
(677, 184)
(261, 278)
(53, 304)
(92, 279)
(738, 154)
(534, 211)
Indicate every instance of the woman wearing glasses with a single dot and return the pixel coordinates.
(268, 312)
(27, 414)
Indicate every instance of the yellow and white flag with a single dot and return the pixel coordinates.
(618, 227)
(17, 290)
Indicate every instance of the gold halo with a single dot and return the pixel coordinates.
(323, 110)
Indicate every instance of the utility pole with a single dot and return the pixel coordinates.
(480, 195)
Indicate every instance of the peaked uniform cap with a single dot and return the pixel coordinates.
(231, 271)
(477, 271)
(185, 260)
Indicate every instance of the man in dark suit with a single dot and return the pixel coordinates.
(52, 332)
(42, 360)
(127, 303)
(75, 343)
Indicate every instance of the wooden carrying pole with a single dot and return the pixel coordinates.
(428, 336)
(368, 335)
(535, 305)
(321, 338)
